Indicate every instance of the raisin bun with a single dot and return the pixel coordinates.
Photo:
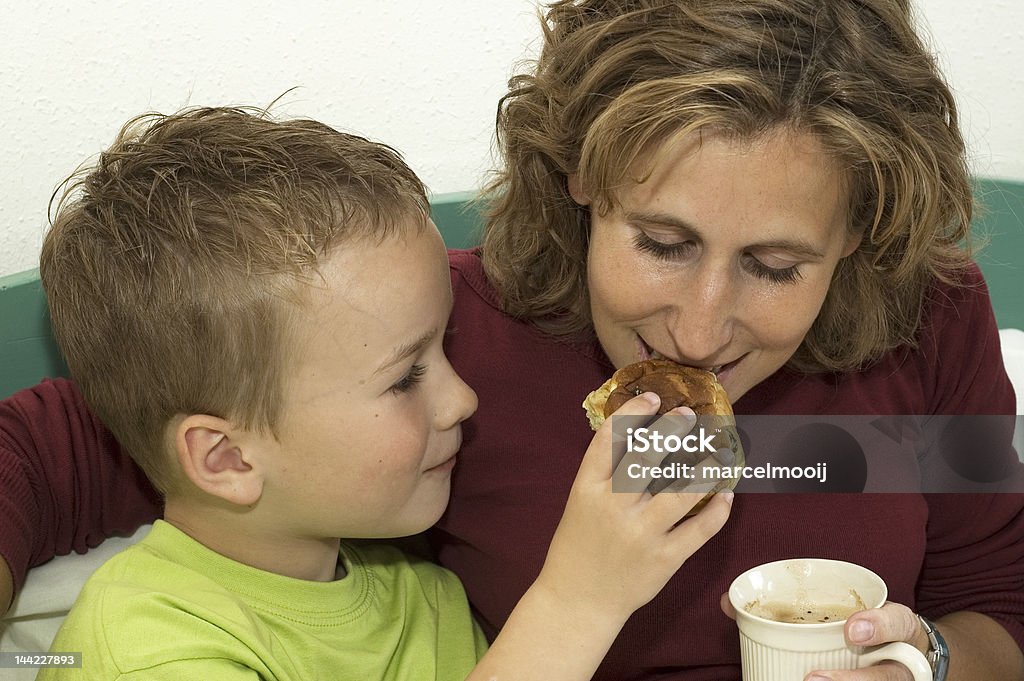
(677, 385)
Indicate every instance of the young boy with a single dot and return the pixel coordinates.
(256, 309)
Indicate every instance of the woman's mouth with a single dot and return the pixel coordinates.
(645, 352)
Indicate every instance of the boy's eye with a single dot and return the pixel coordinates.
(409, 381)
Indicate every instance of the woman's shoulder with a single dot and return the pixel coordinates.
(958, 348)
(950, 302)
(468, 276)
(957, 322)
(953, 367)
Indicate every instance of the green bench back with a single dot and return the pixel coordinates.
(28, 353)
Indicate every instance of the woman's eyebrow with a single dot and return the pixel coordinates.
(797, 247)
(661, 220)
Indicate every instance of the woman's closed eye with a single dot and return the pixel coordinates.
(774, 274)
(661, 249)
(409, 380)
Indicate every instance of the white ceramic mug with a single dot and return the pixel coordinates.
(773, 650)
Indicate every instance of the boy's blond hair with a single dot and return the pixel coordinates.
(173, 265)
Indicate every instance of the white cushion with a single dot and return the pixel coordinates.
(46, 598)
(1012, 341)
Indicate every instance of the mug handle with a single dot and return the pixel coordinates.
(904, 653)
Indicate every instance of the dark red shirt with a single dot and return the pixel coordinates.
(521, 450)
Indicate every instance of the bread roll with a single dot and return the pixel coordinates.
(677, 385)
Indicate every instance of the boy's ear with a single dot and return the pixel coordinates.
(576, 191)
(216, 458)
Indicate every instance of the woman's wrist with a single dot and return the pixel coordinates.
(920, 638)
(979, 648)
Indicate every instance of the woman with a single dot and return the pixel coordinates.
(772, 189)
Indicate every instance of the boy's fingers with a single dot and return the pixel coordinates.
(608, 446)
(671, 507)
(654, 461)
(694, 532)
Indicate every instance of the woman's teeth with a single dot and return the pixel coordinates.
(654, 354)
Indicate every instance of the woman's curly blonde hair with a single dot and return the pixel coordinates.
(615, 78)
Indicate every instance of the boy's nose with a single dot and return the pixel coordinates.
(458, 403)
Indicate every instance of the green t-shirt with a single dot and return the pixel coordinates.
(170, 608)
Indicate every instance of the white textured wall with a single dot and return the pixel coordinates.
(422, 76)
(981, 51)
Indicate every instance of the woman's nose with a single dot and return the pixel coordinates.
(703, 318)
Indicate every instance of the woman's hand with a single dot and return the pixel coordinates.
(891, 622)
(615, 550)
(980, 648)
(872, 627)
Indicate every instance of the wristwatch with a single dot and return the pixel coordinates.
(938, 651)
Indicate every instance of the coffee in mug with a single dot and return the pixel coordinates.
(802, 613)
(791, 615)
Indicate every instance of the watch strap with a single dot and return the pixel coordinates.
(938, 651)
